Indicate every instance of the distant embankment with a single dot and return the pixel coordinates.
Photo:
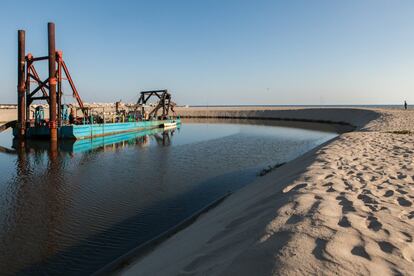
(8, 113)
(351, 116)
(357, 117)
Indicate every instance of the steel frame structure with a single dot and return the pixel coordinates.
(50, 88)
(164, 102)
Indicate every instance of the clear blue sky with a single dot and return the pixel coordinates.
(223, 51)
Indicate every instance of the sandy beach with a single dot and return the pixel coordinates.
(343, 208)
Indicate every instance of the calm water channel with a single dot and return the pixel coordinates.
(73, 211)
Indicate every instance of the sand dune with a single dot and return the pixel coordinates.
(344, 208)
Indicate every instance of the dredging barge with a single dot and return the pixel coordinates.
(63, 120)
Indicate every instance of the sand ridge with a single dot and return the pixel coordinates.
(345, 208)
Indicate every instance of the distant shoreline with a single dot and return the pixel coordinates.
(308, 105)
(262, 105)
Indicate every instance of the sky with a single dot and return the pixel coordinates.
(221, 51)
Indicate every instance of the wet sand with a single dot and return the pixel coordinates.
(344, 208)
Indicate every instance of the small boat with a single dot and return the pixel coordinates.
(172, 124)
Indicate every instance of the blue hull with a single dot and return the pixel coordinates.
(94, 130)
(85, 145)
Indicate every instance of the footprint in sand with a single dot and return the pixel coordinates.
(320, 249)
(386, 232)
(401, 176)
(346, 204)
(386, 247)
(331, 190)
(368, 199)
(349, 187)
(389, 193)
(360, 251)
(404, 202)
(374, 224)
(344, 222)
(294, 219)
(402, 191)
(294, 187)
(405, 215)
(409, 238)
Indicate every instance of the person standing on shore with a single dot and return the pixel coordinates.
(405, 105)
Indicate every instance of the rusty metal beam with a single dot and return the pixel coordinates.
(72, 85)
(41, 86)
(154, 91)
(34, 75)
(59, 86)
(37, 58)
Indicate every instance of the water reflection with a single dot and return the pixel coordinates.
(72, 208)
(32, 210)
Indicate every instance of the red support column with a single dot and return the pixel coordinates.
(52, 81)
(21, 106)
(59, 56)
(28, 65)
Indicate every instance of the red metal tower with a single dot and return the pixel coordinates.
(51, 87)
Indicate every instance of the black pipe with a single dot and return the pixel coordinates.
(21, 64)
(52, 81)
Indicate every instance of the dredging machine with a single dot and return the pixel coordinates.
(78, 121)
